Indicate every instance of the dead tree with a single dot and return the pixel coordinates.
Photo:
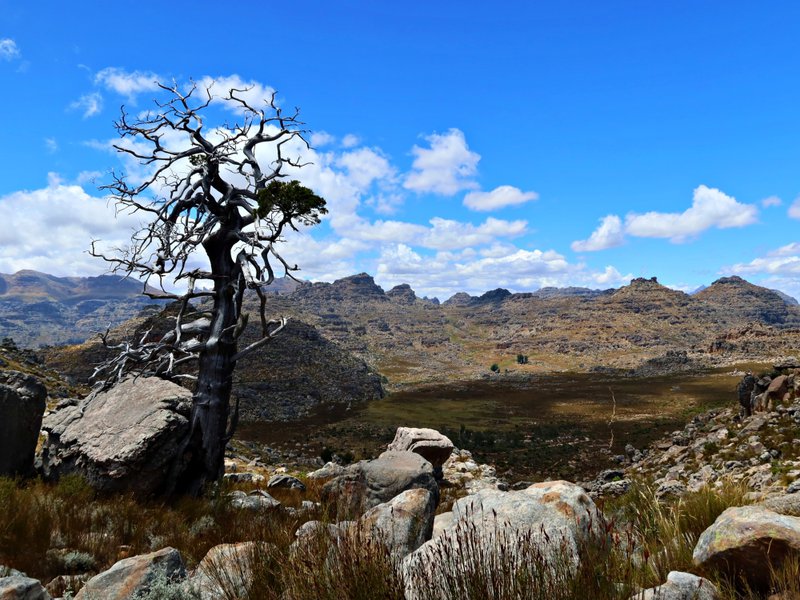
(220, 191)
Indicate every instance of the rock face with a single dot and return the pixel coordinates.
(428, 443)
(681, 586)
(552, 519)
(22, 404)
(371, 482)
(122, 440)
(133, 575)
(403, 523)
(19, 587)
(743, 540)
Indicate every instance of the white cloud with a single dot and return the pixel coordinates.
(771, 201)
(608, 235)
(443, 234)
(51, 145)
(50, 229)
(444, 273)
(610, 277)
(318, 139)
(499, 197)
(386, 204)
(710, 208)
(89, 104)
(256, 94)
(350, 141)
(446, 168)
(9, 49)
(782, 261)
(364, 166)
(126, 83)
(794, 209)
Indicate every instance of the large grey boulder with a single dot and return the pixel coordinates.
(19, 587)
(548, 522)
(744, 539)
(22, 402)
(428, 443)
(681, 586)
(134, 575)
(368, 483)
(785, 504)
(226, 571)
(121, 440)
(402, 524)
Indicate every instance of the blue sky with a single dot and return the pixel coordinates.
(461, 146)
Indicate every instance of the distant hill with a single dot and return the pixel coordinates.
(412, 340)
(39, 309)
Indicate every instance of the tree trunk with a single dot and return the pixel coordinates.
(202, 458)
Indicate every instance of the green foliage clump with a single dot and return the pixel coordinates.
(495, 368)
(289, 200)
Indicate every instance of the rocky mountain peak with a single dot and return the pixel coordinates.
(747, 301)
(459, 299)
(492, 296)
(360, 285)
(402, 293)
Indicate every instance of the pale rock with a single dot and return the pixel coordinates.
(121, 440)
(402, 524)
(368, 483)
(557, 516)
(681, 586)
(428, 443)
(744, 539)
(131, 576)
(226, 571)
(19, 587)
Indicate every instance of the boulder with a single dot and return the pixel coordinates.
(744, 540)
(286, 482)
(368, 483)
(19, 587)
(120, 440)
(785, 504)
(402, 524)
(257, 500)
(22, 402)
(226, 571)
(553, 521)
(681, 586)
(329, 471)
(246, 477)
(134, 575)
(428, 443)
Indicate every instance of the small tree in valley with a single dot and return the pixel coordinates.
(220, 192)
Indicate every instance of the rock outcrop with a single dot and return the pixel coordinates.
(22, 403)
(368, 483)
(428, 443)
(553, 520)
(402, 524)
(120, 440)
